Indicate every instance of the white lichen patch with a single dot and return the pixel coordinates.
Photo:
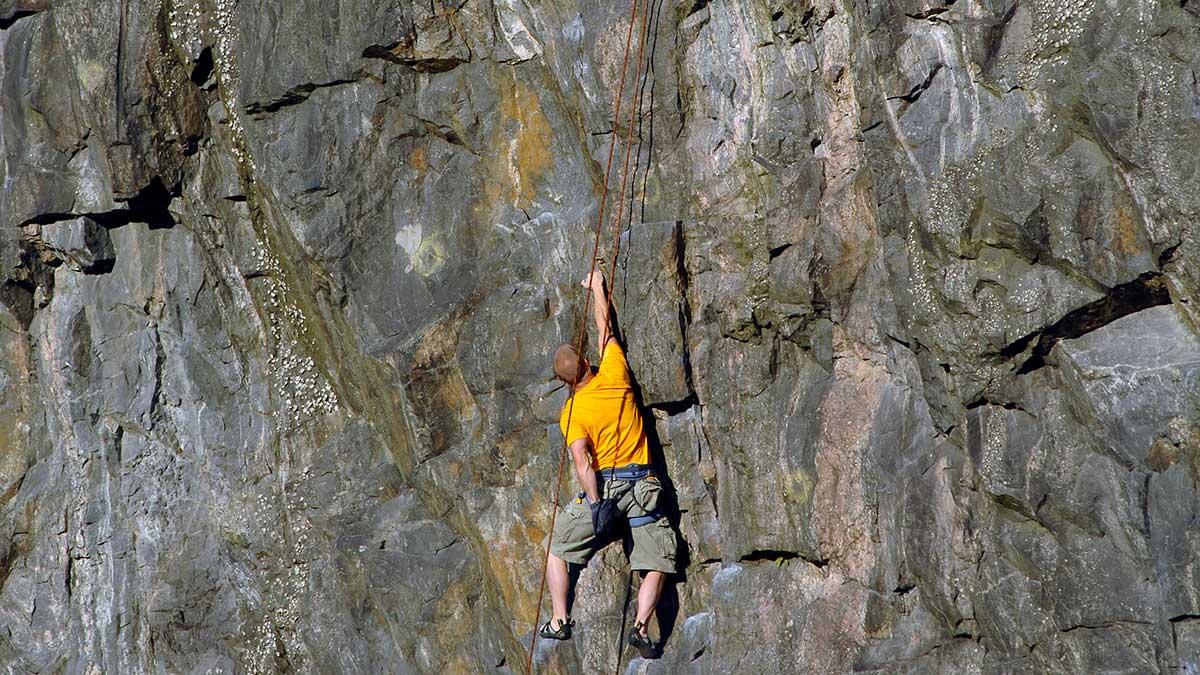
(995, 442)
(1057, 25)
(184, 25)
(304, 391)
(275, 635)
(951, 196)
(190, 26)
(924, 300)
(226, 64)
(279, 620)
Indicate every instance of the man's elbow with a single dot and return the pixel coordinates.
(579, 453)
(582, 466)
(580, 459)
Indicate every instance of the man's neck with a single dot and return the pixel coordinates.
(587, 377)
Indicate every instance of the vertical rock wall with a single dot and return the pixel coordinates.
(909, 287)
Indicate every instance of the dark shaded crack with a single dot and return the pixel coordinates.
(673, 408)
(8, 21)
(202, 68)
(1020, 509)
(915, 93)
(294, 96)
(930, 14)
(780, 557)
(778, 251)
(1168, 254)
(7, 565)
(1146, 291)
(160, 359)
(1106, 624)
(17, 547)
(151, 205)
(18, 293)
(393, 53)
(995, 36)
(1007, 405)
(685, 307)
(12, 492)
(445, 133)
(68, 576)
(790, 24)
(103, 266)
(1145, 504)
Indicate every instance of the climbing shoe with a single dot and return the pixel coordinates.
(639, 640)
(563, 632)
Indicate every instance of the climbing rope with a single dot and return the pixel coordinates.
(634, 111)
(616, 251)
(556, 488)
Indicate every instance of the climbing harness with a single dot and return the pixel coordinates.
(632, 474)
(582, 332)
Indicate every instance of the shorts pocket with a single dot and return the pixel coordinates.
(646, 493)
(653, 548)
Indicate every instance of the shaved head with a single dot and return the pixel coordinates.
(568, 364)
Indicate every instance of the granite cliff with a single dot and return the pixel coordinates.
(910, 288)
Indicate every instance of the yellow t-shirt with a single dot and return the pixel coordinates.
(606, 414)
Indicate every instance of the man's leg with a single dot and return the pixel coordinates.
(648, 594)
(571, 543)
(559, 578)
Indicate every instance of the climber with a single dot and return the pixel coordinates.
(612, 460)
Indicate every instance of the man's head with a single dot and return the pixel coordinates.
(569, 366)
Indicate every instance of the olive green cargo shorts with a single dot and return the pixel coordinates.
(653, 543)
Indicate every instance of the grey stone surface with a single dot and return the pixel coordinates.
(909, 290)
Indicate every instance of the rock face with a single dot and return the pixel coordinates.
(909, 287)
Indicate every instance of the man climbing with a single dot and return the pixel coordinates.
(612, 460)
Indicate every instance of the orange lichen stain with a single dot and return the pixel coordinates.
(1127, 230)
(454, 608)
(439, 342)
(418, 160)
(517, 565)
(520, 151)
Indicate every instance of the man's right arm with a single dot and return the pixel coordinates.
(600, 308)
(584, 470)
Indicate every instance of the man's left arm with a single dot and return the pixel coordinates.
(583, 469)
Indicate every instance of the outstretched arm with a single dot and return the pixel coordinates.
(600, 308)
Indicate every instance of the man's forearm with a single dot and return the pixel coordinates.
(600, 311)
(587, 479)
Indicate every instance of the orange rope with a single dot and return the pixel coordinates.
(582, 332)
(633, 113)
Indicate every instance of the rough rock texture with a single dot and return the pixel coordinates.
(910, 288)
